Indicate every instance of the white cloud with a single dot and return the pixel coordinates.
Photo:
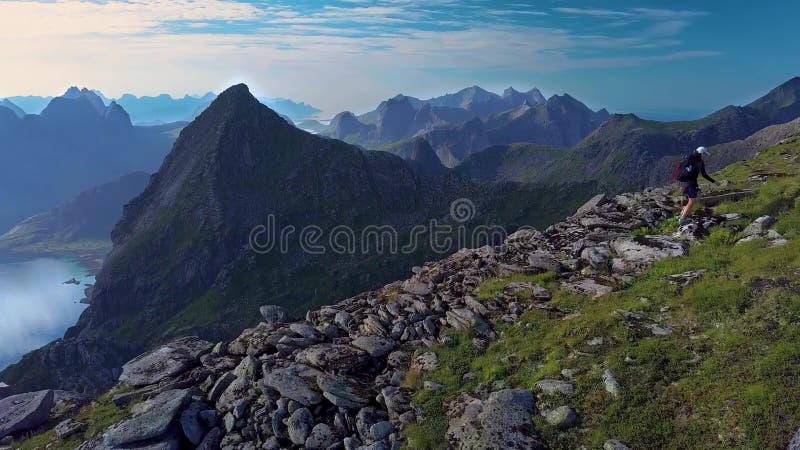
(132, 46)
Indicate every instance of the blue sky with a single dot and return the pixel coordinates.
(667, 59)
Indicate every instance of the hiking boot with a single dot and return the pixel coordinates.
(681, 221)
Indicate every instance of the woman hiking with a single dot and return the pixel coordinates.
(688, 171)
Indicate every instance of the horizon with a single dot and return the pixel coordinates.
(659, 60)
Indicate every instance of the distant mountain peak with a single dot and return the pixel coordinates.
(75, 93)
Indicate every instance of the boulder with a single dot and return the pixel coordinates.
(613, 444)
(375, 346)
(274, 314)
(24, 412)
(503, 421)
(591, 205)
(342, 392)
(642, 251)
(561, 417)
(212, 440)
(418, 287)
(321, 437)
(190, 422)
(166, 361)
(296, 382)
(551, 387)
(156, 415)
(299, 425)
(467, 319)
(610, 383)
(333, 357)
(68, 427)
(544, 262)
(587, 286)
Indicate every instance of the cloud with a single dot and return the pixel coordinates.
(326, 55)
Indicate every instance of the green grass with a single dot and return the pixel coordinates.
(725, 378)
(97, 416)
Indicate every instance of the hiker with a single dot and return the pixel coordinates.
(687, 172)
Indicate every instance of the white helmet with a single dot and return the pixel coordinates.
(702, 150)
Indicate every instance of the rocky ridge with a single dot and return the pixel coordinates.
(337, 378)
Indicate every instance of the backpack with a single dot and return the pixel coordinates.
(686, 170)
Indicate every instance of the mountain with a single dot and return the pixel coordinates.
(454, 143)
(80, 224)
(162, 108)
(419, 153)
(781, 104)
(628, 152)
(402, 117)
(562, 121)
(77, 142)
(185, 250)
(723, 155)
(5, 103)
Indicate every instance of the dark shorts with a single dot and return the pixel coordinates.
(689, 190)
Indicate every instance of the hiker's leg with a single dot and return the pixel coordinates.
(688, 208)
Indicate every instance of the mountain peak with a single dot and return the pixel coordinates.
(74, 93)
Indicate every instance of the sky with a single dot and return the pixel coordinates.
(661, 59)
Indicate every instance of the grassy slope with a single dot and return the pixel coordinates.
(726, 378)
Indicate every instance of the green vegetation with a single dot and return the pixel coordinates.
(97, 416)
(726, 377)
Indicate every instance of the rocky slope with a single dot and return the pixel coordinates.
(340, 375)
(363, 373)
(83, 223)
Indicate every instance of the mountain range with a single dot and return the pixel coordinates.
(76, 142)
(162, 109)
(466, 122)
(628, 152)
(238, 164)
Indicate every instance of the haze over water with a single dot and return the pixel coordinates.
(36, 306)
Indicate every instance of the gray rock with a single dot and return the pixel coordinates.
(375, 346)
(641, 252)
(190, 422)
(321, 437)
(545, 262)
(351, 443)
(159, 413)
(220, 386)
(610, 383)
(587, 286)
(467, 319)
(433, 386)
(794, 444)
(209, 418)
(211, 440)
(759, 226)
(297, 382)
(248, 368)
(299, 425)
(426, 362)
(273, 314)
(68, 427)
(381, 430)
(551, 387)
(502, 422)
(168, 360)
(366, 418)
(591, 205)
(333, 357)
(417, 287)
(24, 412)
(342, 392)
(561, 417)
(614, 444)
